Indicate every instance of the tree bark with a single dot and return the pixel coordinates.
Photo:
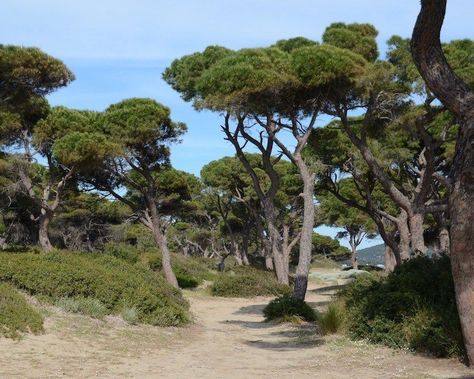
(416, 233)
(304, 261)
(43, 226)
(390, 261)
(355, 264)
(245, 247)
(160, 240)
(268, 262)
(278, 254)
(444, 240)
(404, 234)
(458, 97)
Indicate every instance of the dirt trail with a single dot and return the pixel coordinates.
(229, 340)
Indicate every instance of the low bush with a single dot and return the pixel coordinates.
(190, 271)
(286, 308)
(87, 306)
(324, 263)
(414, 307)
(247, 282)
(113, 282)
(123, 251)
(332, 320)
(130, 315)
(16, 315)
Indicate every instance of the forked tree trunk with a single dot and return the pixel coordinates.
(458, 97)
(304, 261)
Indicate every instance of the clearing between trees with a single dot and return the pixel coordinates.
(228, 340)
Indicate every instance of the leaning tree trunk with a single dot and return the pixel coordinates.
(458, 97)
(304, 260)
(160, 240)
(43, 227)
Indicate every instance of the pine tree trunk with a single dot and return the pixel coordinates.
(304, 261)
(444, 240)
(160, 240)
(43, 228)
(458, 97)
(461, 207)
(245, 248)
(268, 262)
(276, 246)
(390, 261)
(355, 264)
(416, 234)
(404, 234)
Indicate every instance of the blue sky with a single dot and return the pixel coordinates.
(119, 48)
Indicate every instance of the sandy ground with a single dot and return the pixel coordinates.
(228, 340)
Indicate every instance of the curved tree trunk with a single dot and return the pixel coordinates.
(162, 244)
(458, 97)
(154, 223)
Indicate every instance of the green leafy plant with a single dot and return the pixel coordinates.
(287, 308)
(16, 315)
(247, 282)
(113, 282)
(332, 321)
(414, 307)
(190, 271)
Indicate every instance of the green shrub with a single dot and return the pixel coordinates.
(114, 282)
(16, 315)
(247, 282)
(92, 307)
(286, 308)
(190, 271)
(68, 304)
(130, 315)
(332, 320)
(87, 306)
(325, 263)
(414, 308)
(123, 251)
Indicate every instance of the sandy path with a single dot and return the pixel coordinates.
(229, 340)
